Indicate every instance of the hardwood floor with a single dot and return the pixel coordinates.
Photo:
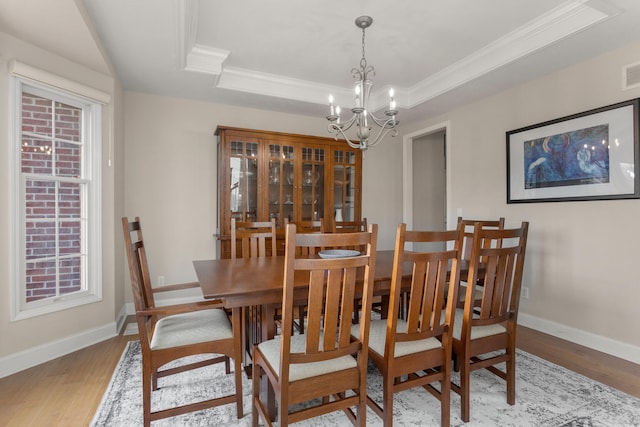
(67, 391)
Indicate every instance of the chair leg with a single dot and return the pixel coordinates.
(387, 400)
(146, 393)
(255, 395)
(465, 371)
(301, 318)
(511, 377)
(445, 396)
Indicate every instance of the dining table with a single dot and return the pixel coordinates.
(247, 282)
(251, 282)
(257, 283)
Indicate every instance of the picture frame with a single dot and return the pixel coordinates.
(591, 155)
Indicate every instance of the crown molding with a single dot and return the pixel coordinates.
(561, 22)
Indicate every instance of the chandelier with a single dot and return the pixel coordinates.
(363, 118)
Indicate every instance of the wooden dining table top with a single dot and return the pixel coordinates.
(242, 282)
(249, 281)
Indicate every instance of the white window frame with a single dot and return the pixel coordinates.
(91, 102)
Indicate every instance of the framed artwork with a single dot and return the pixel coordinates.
(586, 156)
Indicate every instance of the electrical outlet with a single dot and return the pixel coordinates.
(160, 280)
(525, 293)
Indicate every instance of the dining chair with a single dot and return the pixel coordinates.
(484, 333)
(249, 240)
(253, 236)
(325, 369)
(469, 224)
(468, 227)
(169, 333)
(416, 351)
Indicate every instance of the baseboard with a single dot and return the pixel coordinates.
(43, 353)
(597, 342)
(121, 318)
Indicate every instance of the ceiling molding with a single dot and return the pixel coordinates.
(186, 28)
(278, 86)
(205, 59)
(559, 23)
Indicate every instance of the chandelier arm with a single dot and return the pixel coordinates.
(382, 132)
(346, 125)
(337, 130)
(379, 121)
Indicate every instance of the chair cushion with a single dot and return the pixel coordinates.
(378, 338)
(298, 371)
(476, 331)
(191, 328)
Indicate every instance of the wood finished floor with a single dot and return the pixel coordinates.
(67, 391)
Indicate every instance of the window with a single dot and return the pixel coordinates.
(56, 199)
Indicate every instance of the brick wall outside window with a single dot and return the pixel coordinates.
(51, 162)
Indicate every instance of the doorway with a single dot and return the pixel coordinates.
(426, 179)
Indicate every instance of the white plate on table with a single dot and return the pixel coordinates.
(338, 253)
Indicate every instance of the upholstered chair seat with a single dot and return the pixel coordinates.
(191, 328)
(299, 371)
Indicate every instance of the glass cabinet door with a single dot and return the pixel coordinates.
(312, 184)
(281, 182)
(344, 185)
(243, 169)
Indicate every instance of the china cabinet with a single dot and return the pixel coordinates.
(264, 175)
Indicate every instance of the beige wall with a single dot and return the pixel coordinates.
(170, 176)
(63, 331)
(581, 256)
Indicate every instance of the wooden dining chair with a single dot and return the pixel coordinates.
(169, 333)
(416, 351)
(469, 224)
(468, 227)
(325, 368)
(490, 326)
(252, 239)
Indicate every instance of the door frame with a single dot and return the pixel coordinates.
(407, 169)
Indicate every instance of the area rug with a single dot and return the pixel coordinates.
(547, 395)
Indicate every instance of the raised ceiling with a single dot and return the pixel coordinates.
(288, 55)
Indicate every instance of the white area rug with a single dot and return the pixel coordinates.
(547, 395)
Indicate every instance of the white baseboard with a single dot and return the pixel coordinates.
(597, 342)
(122, 317)
(43, 353)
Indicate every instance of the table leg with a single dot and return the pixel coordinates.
(268, 326)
